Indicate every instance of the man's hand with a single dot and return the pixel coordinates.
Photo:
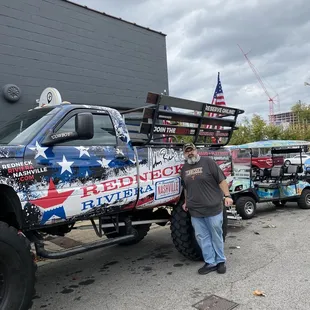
(228, 201)
(184, 207)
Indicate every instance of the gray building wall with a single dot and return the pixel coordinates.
(89, 57)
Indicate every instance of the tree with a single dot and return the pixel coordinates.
(242, 134)
(273, 132)
(290, 133)
(258, 128)
(255, 129)
(302, 110)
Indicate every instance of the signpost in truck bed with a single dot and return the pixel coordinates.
(62, 163)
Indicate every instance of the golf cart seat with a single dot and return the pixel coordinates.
(262, 175)
(300, 169)
(290, 176)
(274, 179)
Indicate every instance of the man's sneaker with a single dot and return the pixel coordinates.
(221, 268)
(207, 268)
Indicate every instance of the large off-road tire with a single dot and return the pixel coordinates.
(140, 230)
(183, 234)
(17, 270)
(304, 199)
(246, 207)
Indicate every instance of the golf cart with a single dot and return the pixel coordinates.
(278, 184)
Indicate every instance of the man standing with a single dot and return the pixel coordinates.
(205, 188)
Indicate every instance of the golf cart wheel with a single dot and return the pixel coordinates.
(287, 163)
(304, 199)
(246, 207)
(17, 270)
(279, 203)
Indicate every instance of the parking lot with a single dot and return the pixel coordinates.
(268, 253)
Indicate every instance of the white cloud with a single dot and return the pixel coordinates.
(202, 38)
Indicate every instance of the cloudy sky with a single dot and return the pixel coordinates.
(202, 38)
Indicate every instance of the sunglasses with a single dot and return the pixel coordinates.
(189, 150)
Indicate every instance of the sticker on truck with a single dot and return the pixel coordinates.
(167, 188)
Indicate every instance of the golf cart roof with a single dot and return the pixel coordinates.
(270, 144)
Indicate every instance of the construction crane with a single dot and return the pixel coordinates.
(272, 100)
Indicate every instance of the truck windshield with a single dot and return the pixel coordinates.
(22, 129)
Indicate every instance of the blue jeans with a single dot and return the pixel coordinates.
(209, 235)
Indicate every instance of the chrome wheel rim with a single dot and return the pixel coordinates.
(249, 208)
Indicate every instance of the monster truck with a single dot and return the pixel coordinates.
(61, 163)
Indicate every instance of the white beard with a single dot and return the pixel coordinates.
(193, 160)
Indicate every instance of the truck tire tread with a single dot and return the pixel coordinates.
(22, 268)
(183, 235)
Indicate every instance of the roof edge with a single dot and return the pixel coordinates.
(114, 17)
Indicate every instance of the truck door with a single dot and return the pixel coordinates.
(165, 165)
(145, 177)
(82, 176)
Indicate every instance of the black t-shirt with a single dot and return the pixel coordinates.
(201, 181)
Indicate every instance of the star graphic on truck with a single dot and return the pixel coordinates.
(53, 198)
(65, 165)
(39, 150)
(83, 151)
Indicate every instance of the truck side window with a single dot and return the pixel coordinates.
(104, 133)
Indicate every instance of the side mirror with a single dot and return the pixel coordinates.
(84, 130)
(84, 126)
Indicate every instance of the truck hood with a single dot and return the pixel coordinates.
(11, 151)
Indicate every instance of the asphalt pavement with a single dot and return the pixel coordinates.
(269, 253)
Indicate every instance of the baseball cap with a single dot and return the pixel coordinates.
(189, 146)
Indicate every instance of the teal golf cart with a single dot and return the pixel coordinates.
(278, 184)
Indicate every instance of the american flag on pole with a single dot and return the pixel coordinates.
(218, 99)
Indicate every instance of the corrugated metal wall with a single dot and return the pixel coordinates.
(89, 57)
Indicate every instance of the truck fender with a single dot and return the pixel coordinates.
(10, 210)
(247, 192)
